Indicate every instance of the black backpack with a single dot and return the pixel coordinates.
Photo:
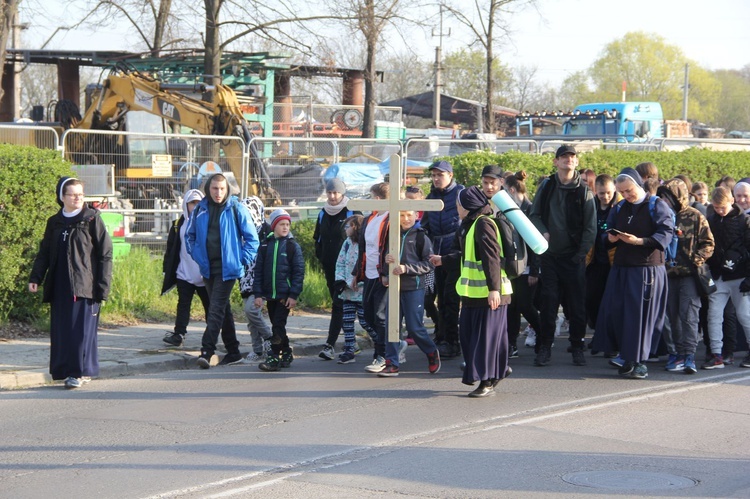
(514, 247)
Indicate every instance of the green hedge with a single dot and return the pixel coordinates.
(27, 198)
(698, 164)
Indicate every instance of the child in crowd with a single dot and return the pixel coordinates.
(260, 332)
(350, 291)
(182, 272)
(411, 266)
(279, 274)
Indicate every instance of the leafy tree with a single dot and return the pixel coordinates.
(464, 75)
(734, 103)
(8, 16)
(654, 71)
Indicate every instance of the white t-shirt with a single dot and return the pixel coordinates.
(372, 245)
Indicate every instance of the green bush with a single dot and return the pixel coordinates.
(27, 200)
(303, 231)
(315, 290)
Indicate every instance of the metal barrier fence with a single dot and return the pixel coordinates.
(41, 137)
(427, 149)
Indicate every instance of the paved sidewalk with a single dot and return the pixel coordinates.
(139, 349)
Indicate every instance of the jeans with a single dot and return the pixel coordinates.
(562, 276)
(256, 324)
(185, 293)
(219, 317)
(375, 303)
(278, 313)
(683, 308)
(725, 291)
(412, 310)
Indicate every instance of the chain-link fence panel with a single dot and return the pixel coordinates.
(41, 137)
(428, 149)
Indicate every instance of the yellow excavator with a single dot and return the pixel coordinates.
(126, 90)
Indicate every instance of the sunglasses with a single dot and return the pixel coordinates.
(413, 190)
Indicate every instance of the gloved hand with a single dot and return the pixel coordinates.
(339, 287)
(745, 285)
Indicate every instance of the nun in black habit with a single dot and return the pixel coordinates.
(75, 264)
(634, 303)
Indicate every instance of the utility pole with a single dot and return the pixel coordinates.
(438, 87)
(15, 43)
(685, 91)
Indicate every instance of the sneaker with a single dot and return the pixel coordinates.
(715, 362)
(376, 366)
(433, 362)
(640, 371)
(616, 362)
(448, 350)
(346, 358)
(231, 359)
(357, 350)
(286, 358)
(402, 352)
(513, 353)
(204, 361)
(72, 382)
(543, 356)
(389, 370)
(267, 350)
(271, 364)
(578, 358)
(410, 340)
(626, 368)
(728, 358)
(676, 363)
(745, 362)
(530, 337)
(558, 324)
(253, 357)
(174, 339)
(328, 353)
(689, 364)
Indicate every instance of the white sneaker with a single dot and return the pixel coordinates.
(252, 357)
(402, 352)
(558, 324)
(530, 336)
(376, 366)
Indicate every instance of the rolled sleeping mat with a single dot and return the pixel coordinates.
(523, 225)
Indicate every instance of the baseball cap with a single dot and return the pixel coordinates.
(565, 149)
(493, 171)
(442, 166)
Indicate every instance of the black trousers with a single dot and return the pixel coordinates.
(521, 303)
(219, 317)
(596, 282)
(185, 293)
(337, 308)
(278, 313)
(562, 275)
(448, 304)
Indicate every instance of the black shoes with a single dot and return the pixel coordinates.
(578, 358)
(449, 350)
(231, 359)
(174, 339)
(286, 358)
(204, 361)
(485, 389)
(543, 356)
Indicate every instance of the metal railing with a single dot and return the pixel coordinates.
(41, 137)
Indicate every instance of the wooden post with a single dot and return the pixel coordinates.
(393, 205)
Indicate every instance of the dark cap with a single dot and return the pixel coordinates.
(565, 149)
(493, 171)
(442, 166)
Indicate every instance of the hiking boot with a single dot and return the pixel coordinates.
(579, 359)
(377, 365)
(675, 364)
(287, 358)
(389, 370)
(328, 353)
(204, 361)
(346, 358)
(485, 389)
(542, 356)
(174, 339)
(689, 364)
(745, 362)
(640, 371)
(230, 359)
(433, 362)
(715, 362)
(530, 337)
(402, 351)
(271, 364)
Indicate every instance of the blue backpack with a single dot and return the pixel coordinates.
(670, 252)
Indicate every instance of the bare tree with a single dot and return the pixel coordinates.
(482, 21)
(8, 16)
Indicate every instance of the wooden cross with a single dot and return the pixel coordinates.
(393, 205)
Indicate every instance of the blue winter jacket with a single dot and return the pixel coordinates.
(441, 226)
(236, 252)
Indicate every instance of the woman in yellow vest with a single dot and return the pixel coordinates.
(485, 294)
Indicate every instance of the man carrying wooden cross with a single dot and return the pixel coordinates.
(382, 293)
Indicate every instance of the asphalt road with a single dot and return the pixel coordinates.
(327, 430)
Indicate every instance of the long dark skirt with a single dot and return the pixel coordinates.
(484, 342)
(632, 312)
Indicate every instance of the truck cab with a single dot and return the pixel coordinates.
(625, 121)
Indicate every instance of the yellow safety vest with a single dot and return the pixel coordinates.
(473, 281)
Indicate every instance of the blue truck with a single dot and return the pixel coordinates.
(629, 121)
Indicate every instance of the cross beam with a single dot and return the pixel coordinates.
(394, 204)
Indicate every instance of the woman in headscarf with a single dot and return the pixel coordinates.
(75, 264)
(635, 299)
(485, 294)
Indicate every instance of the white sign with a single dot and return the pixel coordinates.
(161, 165)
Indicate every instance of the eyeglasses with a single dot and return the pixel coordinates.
(75, 195)
(413, 190)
